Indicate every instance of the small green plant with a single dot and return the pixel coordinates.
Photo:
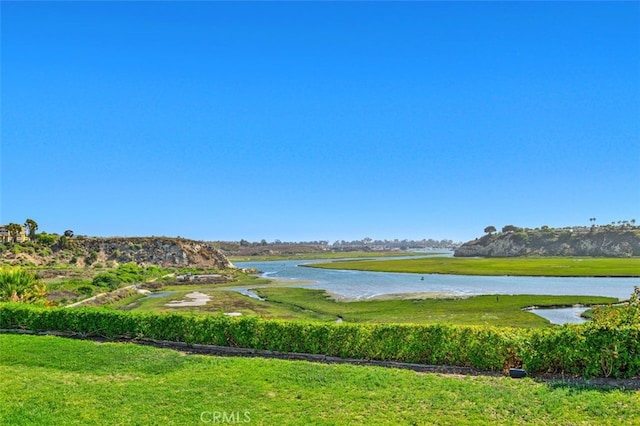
(17, 285)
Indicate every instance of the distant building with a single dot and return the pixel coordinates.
(5, 236)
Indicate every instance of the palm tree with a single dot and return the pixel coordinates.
(14, 231)
(31, 227)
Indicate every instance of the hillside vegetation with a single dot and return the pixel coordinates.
(600, 241)
(53, 250)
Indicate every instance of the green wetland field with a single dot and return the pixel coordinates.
(516, 266)
(282, 301)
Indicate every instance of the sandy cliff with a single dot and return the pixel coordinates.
(596, 241)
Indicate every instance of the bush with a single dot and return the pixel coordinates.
(520, 237)
(92, 257)
(85, 289)
(45, 251)
(589, 350)
(17, 285)
(626, 315)
(107, 279)
(47, 239)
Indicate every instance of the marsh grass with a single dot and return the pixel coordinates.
(516, 266)
(317, 305)
(331, 255)
(53, 381)
(496, 310)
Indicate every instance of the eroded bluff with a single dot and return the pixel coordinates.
(556, 242)
(161, 251)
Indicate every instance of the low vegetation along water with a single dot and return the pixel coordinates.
(363, 285)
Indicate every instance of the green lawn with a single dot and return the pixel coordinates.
(525, 266)
(54, 381)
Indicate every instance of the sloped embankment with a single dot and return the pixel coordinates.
(597, 241)
(162, 251)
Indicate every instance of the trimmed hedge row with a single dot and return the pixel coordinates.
(586, 350)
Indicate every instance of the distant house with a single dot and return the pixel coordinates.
(5, 236)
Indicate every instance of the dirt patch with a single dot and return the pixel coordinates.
(190, 299)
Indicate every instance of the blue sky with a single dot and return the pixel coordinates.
(318, 120)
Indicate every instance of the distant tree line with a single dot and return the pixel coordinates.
(620, 224)
(363, 244)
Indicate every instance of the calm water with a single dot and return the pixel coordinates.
(562, 315)
(363, 285)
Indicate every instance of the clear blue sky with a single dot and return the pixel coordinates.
(315, 120)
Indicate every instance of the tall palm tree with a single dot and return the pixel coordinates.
(31, 227)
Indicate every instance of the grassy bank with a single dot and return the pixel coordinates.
(502, 310)
(329, 255)
(517, 266)
(51, 381)
(316, 305)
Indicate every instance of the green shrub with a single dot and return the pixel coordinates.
(92, 257)
(108, 280)
(588, 350)
(45, 251)
(47, 239)
(520, 237)
(86, 290)
(616, 316)
(17, 285)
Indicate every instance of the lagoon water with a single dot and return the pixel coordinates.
(562, 315)
(364, 285)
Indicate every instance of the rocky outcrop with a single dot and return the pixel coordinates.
(594, 241)
(159, 251)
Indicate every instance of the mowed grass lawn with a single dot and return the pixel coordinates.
(55, 381)
(517, 266)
